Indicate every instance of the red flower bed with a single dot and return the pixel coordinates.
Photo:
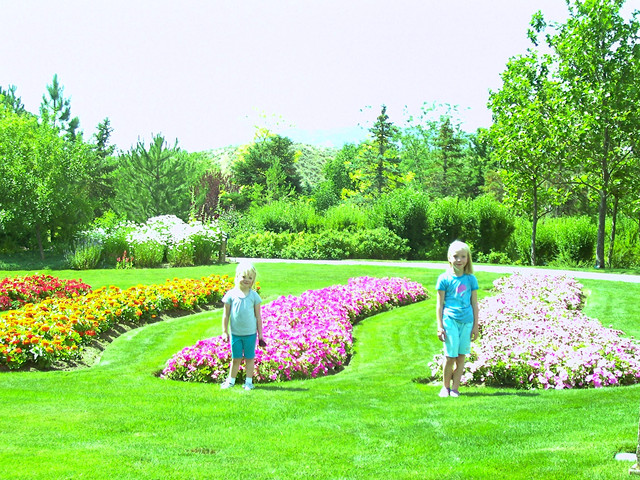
(15, 292)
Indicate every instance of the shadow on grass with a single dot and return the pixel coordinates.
(469, 392)
(276, 388)
(31, 260)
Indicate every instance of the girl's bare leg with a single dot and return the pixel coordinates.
(249, 365)
(457, 372)
(235, 366)
(447, 371)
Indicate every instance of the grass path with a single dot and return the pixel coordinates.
(374, 420)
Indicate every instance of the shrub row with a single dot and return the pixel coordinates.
(379, 243)
(423, 229)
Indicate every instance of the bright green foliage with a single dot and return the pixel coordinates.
(439, 158)
(43, 180)
(483, 223)
(596, 56)
(84, 255)
(562, 241)
(378, 243)
(337, 179)
(9, 98)
(525, 136)
(404, 211)
(285, 216)
(101, 169)
(349, 216)
(265, 170)
(385, 153)
(374, 166)
(154, 181)
(309, 165)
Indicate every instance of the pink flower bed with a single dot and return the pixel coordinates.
(534, 335)
(307, 336)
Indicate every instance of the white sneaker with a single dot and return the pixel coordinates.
(248, 386)
(454, 393)
(226, 384)
(444, 392)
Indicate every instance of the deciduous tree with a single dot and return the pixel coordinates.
(598, 57)
(525, 137)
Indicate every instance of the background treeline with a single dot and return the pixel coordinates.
(555, 180)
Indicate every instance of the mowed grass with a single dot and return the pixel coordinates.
(380, 418)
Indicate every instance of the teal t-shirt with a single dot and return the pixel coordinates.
(242, 318)
(457, 295)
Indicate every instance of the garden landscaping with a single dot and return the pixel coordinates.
(379, 418)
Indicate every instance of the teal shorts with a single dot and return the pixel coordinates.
(243, 346)
(458, 341)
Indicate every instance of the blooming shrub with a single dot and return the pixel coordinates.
(534, 335)
(161, 238)
(307, 336)
(17, 291)
(147, 247)
(57, 328)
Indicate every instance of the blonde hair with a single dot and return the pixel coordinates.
(244, 268)
(459, 246)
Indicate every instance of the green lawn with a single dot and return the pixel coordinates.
(378, 419)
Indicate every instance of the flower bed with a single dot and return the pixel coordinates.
(57, 328)
(307, 336)
(534, 335)
(18, 291)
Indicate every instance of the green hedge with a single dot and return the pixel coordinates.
(378, 243)
(483, 223)
(568, 241)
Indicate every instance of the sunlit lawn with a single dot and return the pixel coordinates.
(379, 418)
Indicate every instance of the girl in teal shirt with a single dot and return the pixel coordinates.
(457, 314)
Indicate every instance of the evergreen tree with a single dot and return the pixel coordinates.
(9, 98)
(154, 181)
(385, 158)
(56, 110)
(102, 184)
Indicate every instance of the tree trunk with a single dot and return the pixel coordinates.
(612, 238)
(602, 217)
(39, 238)
(534, 227)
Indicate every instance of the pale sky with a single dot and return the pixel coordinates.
(206, 72)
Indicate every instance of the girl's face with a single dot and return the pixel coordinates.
(247, 279)
(459, 260)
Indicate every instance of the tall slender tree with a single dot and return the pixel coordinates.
(56, 109)
(598, 64)
(386, 158)
(525, 136)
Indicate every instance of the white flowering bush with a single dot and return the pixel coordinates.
(147, 247)
(162, 238)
